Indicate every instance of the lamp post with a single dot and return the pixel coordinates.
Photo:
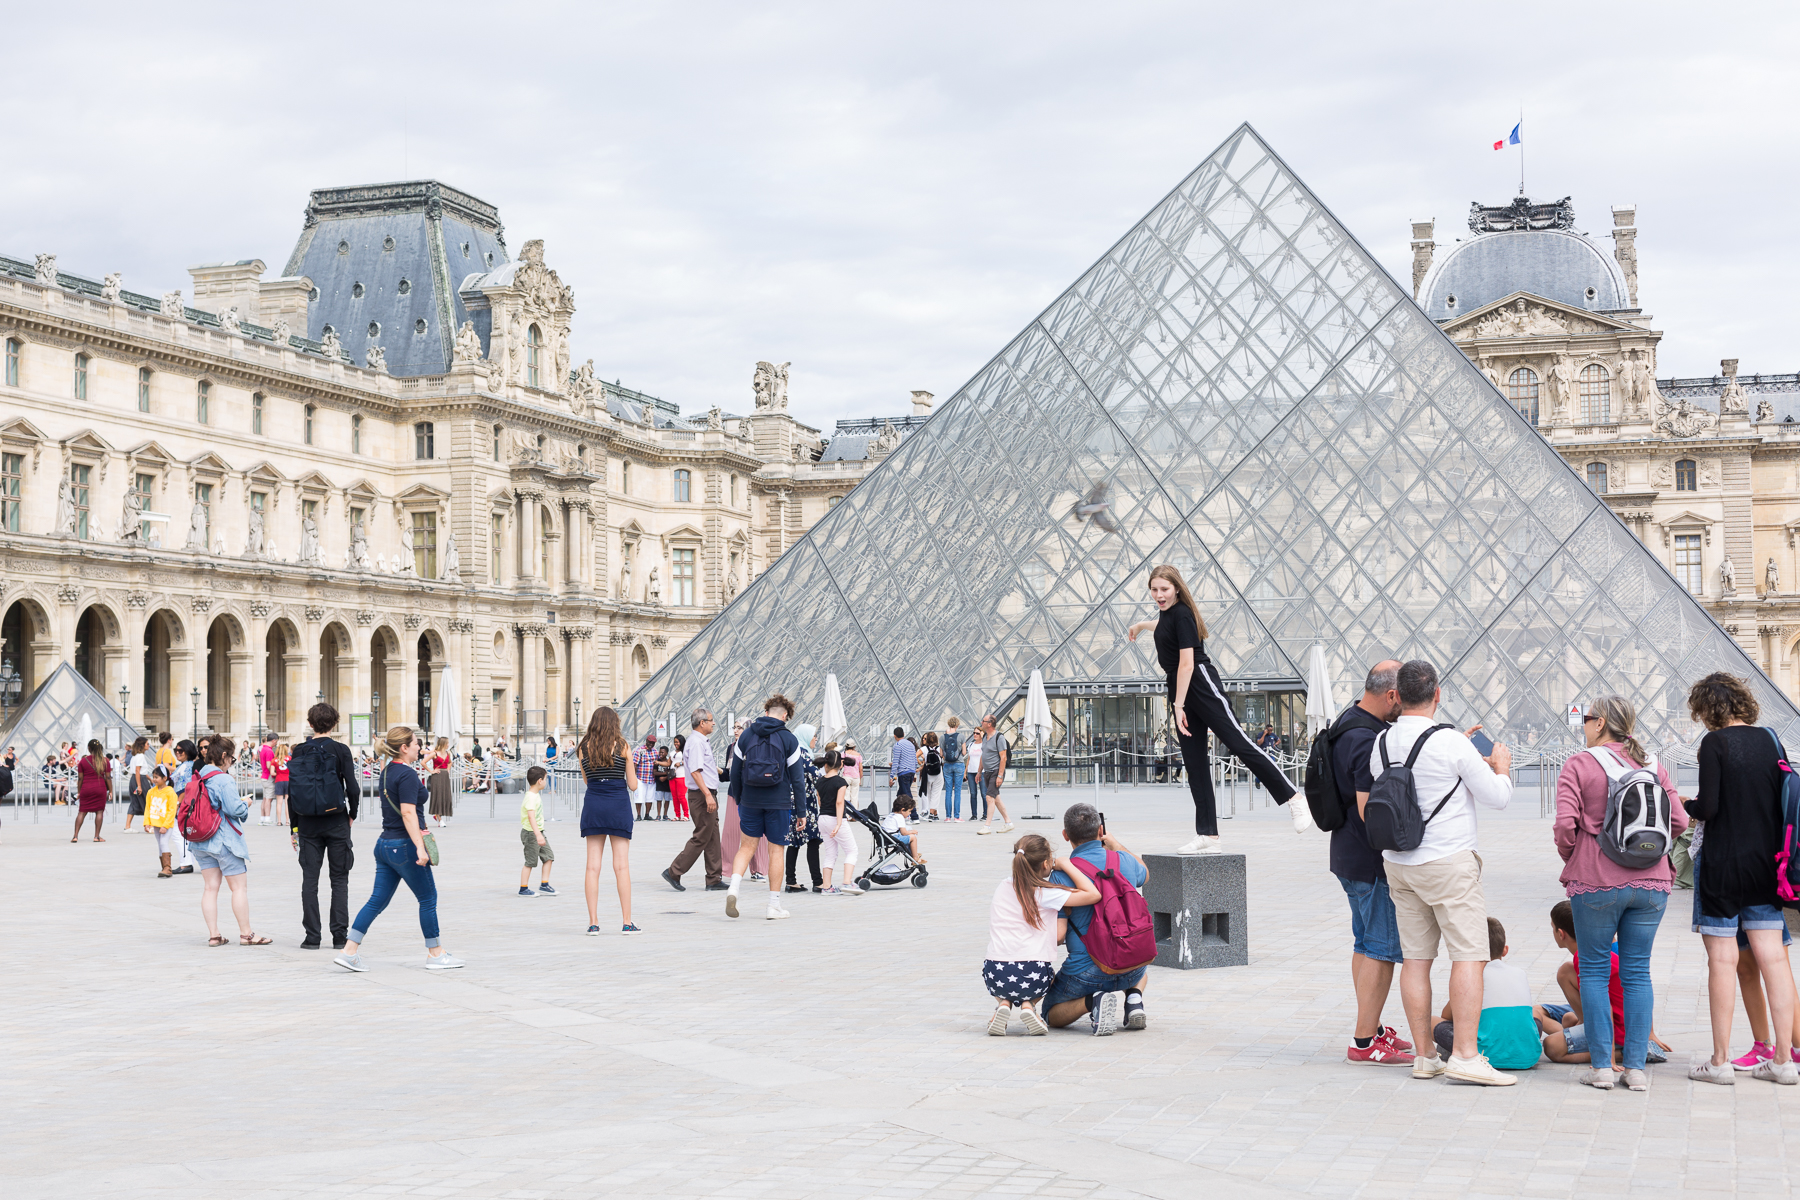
(124, 703)
(195, 697)
(519, 725)
(374, 708)
(259, 724)
(473, 731)
(578, 716)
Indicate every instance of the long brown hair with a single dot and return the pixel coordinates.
(1165, 571)
(1031, 871)
(603, 741)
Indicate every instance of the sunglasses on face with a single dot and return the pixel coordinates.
(1591, 717)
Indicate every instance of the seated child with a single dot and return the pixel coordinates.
(1510, 1022)
(899, 823)
(532, 837)
(159, 818)
(1023, 929)
(1569, 1042)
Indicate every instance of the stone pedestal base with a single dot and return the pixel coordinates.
(1199, 905)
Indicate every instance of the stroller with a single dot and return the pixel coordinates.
(889, 864)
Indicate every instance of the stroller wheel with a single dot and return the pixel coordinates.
(920, 877)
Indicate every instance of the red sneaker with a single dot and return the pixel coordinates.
(1392, 1037)
(1380, 1053)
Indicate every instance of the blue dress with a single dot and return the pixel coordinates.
(606, 809)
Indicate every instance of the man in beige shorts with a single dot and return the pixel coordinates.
(1436, 887)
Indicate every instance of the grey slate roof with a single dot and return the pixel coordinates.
(1557, 264)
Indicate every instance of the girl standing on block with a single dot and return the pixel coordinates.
(1197, 699)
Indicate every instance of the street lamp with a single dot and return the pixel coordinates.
(519, 725)
(578, 716)
(195, 697)
(374, 706)
(124, 706)
(259, 724)
(473, 731)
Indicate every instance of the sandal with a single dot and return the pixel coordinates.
(218, 941)
(254, 940)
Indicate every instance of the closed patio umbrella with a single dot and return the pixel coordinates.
(1038, 726)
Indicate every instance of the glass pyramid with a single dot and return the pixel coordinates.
(1244, 392)
(52, 715)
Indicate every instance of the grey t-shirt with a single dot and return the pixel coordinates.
(990, 752)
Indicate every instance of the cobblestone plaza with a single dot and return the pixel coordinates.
(838, 1054)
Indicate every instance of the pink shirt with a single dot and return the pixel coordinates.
(266, 756)
(1580, 809)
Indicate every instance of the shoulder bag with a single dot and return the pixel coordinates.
(431, 846)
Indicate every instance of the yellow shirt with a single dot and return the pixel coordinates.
(159, 808)
(165, 757)
(532, 805)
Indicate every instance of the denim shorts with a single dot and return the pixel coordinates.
(1082, 978)
(222, 860)
(1576, 1037)
(771, 823)
(1373, 928)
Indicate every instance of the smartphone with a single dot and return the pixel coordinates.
(1102, 824)
(1483, 743)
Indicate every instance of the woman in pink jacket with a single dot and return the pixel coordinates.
(1611, 900)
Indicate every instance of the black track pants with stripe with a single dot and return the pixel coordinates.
(1207, 709)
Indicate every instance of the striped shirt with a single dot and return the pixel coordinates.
(615, 770)
(904, 759)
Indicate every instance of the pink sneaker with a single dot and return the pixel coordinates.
(1393, 1038)
(1760, 1052)
(1380, 1053)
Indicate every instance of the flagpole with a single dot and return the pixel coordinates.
(1521, 149)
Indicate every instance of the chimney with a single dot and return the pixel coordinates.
(287, 297)
(1422, 247)
(1625, 247)
(222, 286)
(921, 404)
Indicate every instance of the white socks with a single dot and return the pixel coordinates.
(733, 889)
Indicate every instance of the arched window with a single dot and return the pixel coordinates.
(534, 342)
(496, 443)
(203, 402)
(684, 486)
(143, 389)
(1596, 395)
(1522, 390)
(1686, 476)
(1596, 477)
(81, 366)
(308, 429)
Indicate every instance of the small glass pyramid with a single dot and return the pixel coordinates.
(1237, 388)
(52, 715)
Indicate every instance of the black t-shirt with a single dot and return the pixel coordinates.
(1351, 857)
(1739, 798)
(828, 787)
(1176, 630)
(402, 785)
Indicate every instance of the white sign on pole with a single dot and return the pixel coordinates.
(1575, 715)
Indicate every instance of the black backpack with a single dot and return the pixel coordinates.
(1392, 815)
(934, 764)
(1322, 795)
(764, 764)
(314, 786)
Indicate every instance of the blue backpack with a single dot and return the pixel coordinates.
(765, 766)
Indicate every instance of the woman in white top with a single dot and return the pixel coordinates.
(1023, 930)
(978, 802)
(853, 762)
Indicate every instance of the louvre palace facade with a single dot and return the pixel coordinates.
(342, 478)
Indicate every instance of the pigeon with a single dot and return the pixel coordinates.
(1093, 507)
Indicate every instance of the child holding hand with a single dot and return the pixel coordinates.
(1023, 930)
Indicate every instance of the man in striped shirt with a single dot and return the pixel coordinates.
(643, 761)
(903, 762)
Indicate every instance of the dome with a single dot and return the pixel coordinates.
(1557, 264)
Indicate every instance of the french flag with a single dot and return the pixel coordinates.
(1511, 139)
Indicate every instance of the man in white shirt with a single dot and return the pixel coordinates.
(1436, 888)
(702, 773)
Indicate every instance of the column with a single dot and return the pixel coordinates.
(299, 702)
(259, 665)
(181, 683)
(240, 712)
(531, 668)
(135, 623)
(579, 684)
(437, 686)
(296, 699)
(117, 673)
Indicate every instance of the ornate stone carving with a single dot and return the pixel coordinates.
(530, 628)
(172, 307)
(770, 383)
(46, 269)
(377, 360)
(314, 614)
(253, 544)
(1521, 213)
(715, 417)
(202, 604)
(283, 332)
(137, 600)
(365, 616)
(885, 441)
(1625, 248)
(1637, 384)
(312, 554)
(582, 388)
(229, 320)
(330, 346)
(461, 625)
(196, 539)
(112, 286)
(1764, 410)
(468, 343)
(1524, 319)
(560, 379)
(68, 593)
(412, 620)
(1732, 401)
(580, 633)
(1662, 475)
(658, 640)
(1728, 576)
(359, 549)
(260, 609)
(452, 559)
(1771, 578)
(1683, 420)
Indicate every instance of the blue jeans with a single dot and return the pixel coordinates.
(1632, 915)
(395, 859)
(953, 781)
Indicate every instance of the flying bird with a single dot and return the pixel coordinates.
(1094, 507)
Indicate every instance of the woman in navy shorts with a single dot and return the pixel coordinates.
(606, 811)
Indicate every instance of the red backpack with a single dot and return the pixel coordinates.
(1120, 937)
(197, 817)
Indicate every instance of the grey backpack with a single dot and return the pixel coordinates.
(1637, 832)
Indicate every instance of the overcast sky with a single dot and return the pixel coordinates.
(885, 195)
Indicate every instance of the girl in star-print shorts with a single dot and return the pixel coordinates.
(1023, 930)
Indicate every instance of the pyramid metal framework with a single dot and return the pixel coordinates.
(1237, 388)
(52, 714)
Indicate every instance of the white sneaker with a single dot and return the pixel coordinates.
(1197, 846)
(1776, 1072)
(1597, 1077)
(776, 912)
(1303, 819)
(997, 1022)
(985, 829)
(1427, 1068)
(443, 962)
(1477, 1070)
(1034, 1024)
(1006, 828)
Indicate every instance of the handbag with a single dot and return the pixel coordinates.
(431, 846)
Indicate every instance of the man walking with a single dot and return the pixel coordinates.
(1375, 947)
(703, 806)
(994, 753)
(323, 795)
(1437, 886)
(903, 763)
(769, 783)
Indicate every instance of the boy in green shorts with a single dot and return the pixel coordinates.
(531, 834)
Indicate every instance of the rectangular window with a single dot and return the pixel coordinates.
(357, 517)
(307, 429)
(424, 443)
(78, 478)
(259, 501)
(203, 497)
(12, 487)
(625, 478)
(1686, 476)
(1687, 562)
(143, 484)
(494, 549)
(143, 389)
(203, 407)
(683, 487)
(1596, 477)
(256, 414)
(12, 362)
(424, 531)
(356, 434)
(81, 369)
(831, 502)
(734, 491)
(496, 443)
(684, 577)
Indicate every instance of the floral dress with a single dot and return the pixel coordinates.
(806, 817)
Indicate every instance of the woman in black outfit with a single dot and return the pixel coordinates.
(605, 758)
(1739, 800)
(1197, 699)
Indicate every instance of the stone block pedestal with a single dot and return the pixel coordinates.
(1200, 908)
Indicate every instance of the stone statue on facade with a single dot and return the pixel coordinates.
(172, 307)
(229, 320)
(1728, 576)
(1493, 375)
(731, 581)
(282, 333)
(46, 269)
(196, 539)
(715, 417)
(452, 560)
(625, 576)
(377, 360)
(65, 509)
(407, 558)
(515, 348)
(653, 587)
(1732, 401)
(1662, 475)
(131, 521)
(468, 343)
(1764, 410)
(562, 359)
(311, 554)
(581, 388)
(253, 543)
(330, 346)
(770, 383)
(1771, 578)
(1683, 420)
(359, 548)
(1562, 387)
(885, 441)
(114, 284)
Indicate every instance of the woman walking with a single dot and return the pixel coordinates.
(224, 857)
(137, 781)
(606, 818)
(837, 845)
(401, 853)
(853, 769)
(438, 784)
(1739, 806)
(1197, 698)
(1610, 900)
(806, 819)
(92, 791)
